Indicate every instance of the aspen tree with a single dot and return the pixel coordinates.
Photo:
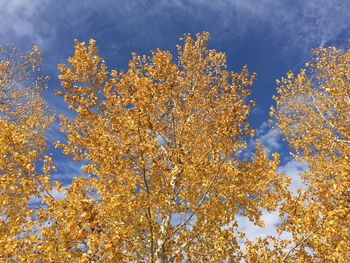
(313, 112)
(161, 144)
(24, 119)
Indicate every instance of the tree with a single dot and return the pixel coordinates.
(161, 145)
(23, 121)
(313, 112)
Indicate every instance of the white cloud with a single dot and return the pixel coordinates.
(57, 195)
(269, 137)
(17, 19)
(292, 169)
(271, 221)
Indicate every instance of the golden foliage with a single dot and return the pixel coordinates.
(23, 121)
(313, 112)
(160, 143)
(162, 146)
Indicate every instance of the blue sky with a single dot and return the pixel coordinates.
(270, 36)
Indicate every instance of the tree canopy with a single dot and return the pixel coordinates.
(313, 112)
(163, 147)
(24, 168)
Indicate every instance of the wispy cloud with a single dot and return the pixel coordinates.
(18, 19)
(67, 169)
(302, 23)
(270, 219)
(269, 137)
(306, 24)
